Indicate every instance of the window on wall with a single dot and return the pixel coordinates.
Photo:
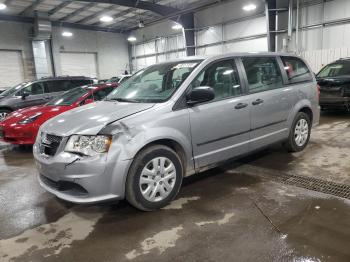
(263, 73)
(296, 69)
(222, 77)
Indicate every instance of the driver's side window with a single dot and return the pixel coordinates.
(33, 89)
(222, 77)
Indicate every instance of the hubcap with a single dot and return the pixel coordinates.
(157, 179)
(301, 132)
(3, 115)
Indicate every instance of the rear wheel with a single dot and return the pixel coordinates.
(300, 133)
(154, 178)
(4, 113)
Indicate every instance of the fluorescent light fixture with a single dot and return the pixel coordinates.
(249, 7)
(106, 19)
(2, 6)
(177, 26)
(67, 34)
(132, 38)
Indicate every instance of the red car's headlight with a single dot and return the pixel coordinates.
(30, 119)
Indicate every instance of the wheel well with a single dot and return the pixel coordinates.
(6, 108)
(307, 111)
(174, 146)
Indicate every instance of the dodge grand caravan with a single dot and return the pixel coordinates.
(172, 120)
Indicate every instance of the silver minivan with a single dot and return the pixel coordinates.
(175, 119)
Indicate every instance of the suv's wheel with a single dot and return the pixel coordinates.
(4, 113)
(154, 178)
(300, 134)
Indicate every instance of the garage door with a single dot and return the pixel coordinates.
(79, 64)
(11, 68)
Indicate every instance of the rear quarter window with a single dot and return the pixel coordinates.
(296, 69)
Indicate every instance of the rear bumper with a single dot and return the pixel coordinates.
(335, 101)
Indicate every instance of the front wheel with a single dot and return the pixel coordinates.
(154, 178)
(300, 133)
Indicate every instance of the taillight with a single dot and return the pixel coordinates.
(318, 91)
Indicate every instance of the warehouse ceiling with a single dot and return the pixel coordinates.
(126, 15)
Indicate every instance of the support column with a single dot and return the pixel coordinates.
(187, 21)
(270, 10)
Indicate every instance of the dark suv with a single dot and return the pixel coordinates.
(334, 82)
(37, 92)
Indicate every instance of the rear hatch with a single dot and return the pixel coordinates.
(334, 86)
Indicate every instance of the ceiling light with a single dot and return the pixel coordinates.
(67, 34)
(106, 19)
(249, 7)
(132, 38)
(177, 26)
(2, 6)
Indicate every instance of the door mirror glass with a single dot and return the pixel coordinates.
(200, 94)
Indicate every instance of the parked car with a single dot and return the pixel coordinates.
(118, 79)
(21, 127)
(37, 92)
(175, 119)
(334, 82)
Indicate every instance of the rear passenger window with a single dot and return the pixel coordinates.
(58, 86)
(296, 69)
(222, 77)
(76, 83)
(263, 73)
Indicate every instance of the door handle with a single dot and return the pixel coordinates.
(258, 102)
(241, 105)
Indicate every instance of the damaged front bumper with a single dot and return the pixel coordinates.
(82, 179)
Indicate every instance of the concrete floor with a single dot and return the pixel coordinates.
(237, 212)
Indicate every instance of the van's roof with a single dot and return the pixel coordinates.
(235, 54)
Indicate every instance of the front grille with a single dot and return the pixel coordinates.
(49, 144)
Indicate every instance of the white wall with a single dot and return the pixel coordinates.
(219, 29)
(321, 45)
(111, 49)
(14, 36)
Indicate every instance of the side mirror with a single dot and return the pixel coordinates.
(24, 95)
(200, 94)
(88, 101)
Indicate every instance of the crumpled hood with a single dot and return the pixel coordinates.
(90, 119)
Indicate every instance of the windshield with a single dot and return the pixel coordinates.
(154, 84)
(69, 97)
(335, 69)
(13, 90)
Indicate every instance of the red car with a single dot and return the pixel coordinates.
(21, 127)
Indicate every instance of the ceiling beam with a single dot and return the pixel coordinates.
(76, 12)
(149, 6)
(122, 13)
(32, 7)
(96, 15)
(59, 7)
(30, 20)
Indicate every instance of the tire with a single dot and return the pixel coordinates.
(150, 187)
(4, 113)
(297, 142)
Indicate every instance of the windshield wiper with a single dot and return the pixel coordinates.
(124, 100)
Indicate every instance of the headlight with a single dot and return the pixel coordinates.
(88, 145)
(30, 119)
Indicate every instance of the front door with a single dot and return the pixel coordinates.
(35, 95)
(270, 100)
(220, 128)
